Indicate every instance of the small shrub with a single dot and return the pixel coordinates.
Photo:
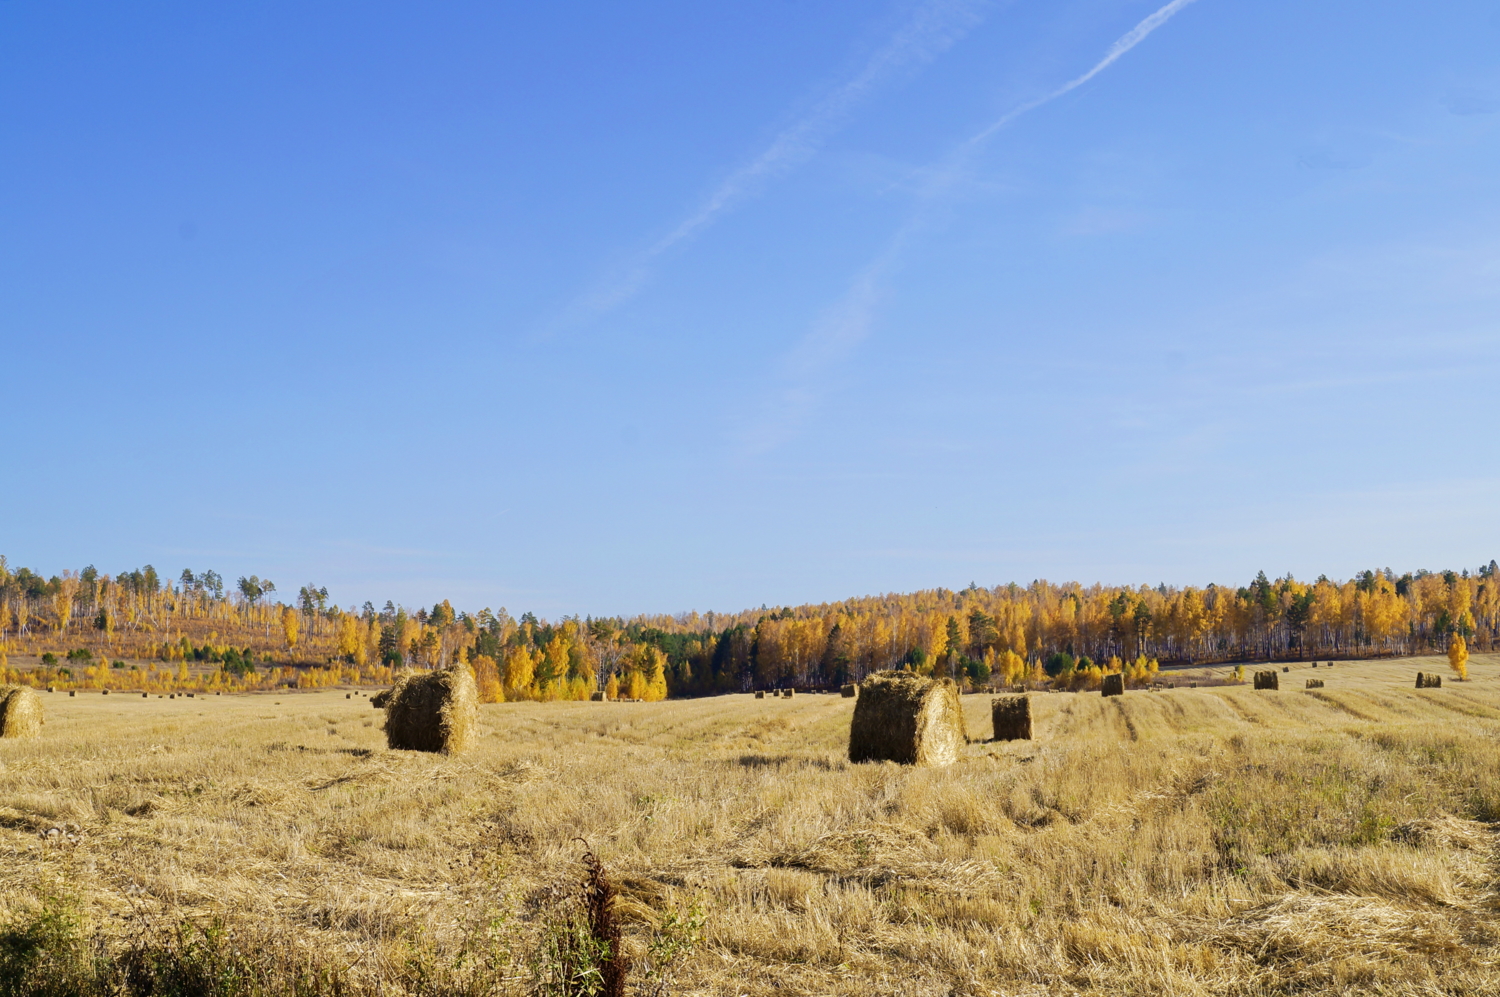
(49, 659)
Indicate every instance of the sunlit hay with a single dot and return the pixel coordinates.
(850, 691)
(433, 711)
(1011, 716)
(1429, 680)
(1319, 933)
(381, 698)
(1113, 685)
(760, 694)
(1267, 680)
(903, 717)
(20, 712)
(1315, 683)
(1445, 831)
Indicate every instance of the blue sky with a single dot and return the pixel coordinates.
(608, 308)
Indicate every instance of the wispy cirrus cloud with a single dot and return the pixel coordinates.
(836, 333)
(932, 27)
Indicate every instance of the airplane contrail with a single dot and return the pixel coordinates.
(850, 320)
(934, 26)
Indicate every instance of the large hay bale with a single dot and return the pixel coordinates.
(1267, 680)
(1315, 683)
(380, 699)
(850, 691)
(788, 693)
(1114, 685)
(902, 717)
(1011, 716)
(20, 712)
(1430, 680)
(760, 694)
(433, 711)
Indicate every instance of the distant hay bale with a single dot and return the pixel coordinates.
(348, 695)
(1113, 685)
(20, 712)
(50, 689)
(599, 696)
(433, 711)
(1011, 716)
(903, 717)
(72, 692)
(1315, 664)
(1267, 680)
(1315, 683)
(760, 694)
(1286, 668)
(1430, 680)
(788, 693)
(380, 699)
(106, 692)
(850, 691)
(1192, 685)
(145, 695)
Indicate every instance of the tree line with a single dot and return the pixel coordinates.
(980, 636)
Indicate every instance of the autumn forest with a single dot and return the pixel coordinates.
(139, 630)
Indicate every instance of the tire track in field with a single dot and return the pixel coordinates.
(1342, 707)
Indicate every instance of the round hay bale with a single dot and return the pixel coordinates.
(1113, 685)
(850, 691)
(903, 717)
(145, 695)
(760, 694)
(433, 711)
(380, 699)
(348, 695)
(1011, 716)
(20, 712)
(106, 692)
(1268, 679)
(599, 696)
(72, 692)
(1315, 683)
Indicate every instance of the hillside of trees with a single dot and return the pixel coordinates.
(140, 630)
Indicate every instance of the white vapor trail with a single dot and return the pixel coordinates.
(837, 332)
(933, 27)
(1124, 44)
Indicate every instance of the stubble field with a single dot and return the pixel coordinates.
(1188, 841)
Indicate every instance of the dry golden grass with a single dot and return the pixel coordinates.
(1186, 841)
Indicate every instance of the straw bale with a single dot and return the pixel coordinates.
(850, 691)
(20, 712)
(1286, 668)
(903, 717)
(1267, 680)
(760, 694)
(380, 699)
(1114, 685)
(1429, 680)
(145, 695)
(72, 692)
(1315, 683)
(788, 693)
(433, 711)
(599, 696)
(1011, 716)
(106, 692)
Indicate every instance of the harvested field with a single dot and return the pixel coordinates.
(1191, 841)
